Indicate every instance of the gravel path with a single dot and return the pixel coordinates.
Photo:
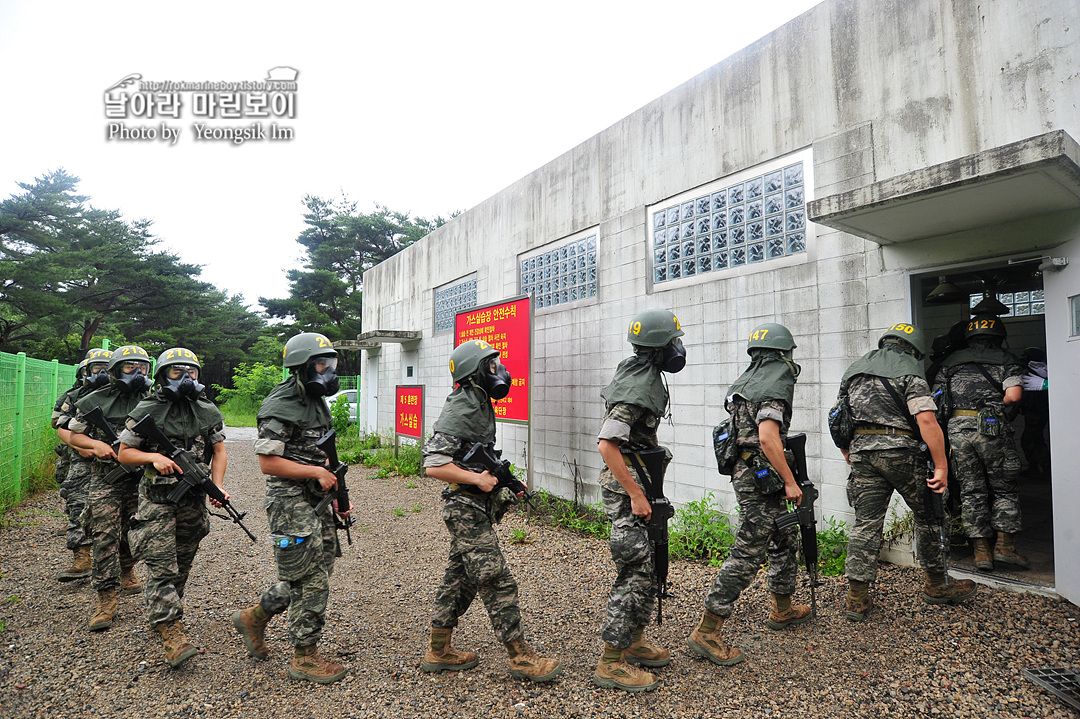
(907, 660)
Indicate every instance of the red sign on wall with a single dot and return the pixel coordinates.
(506, 327)
(409, 411)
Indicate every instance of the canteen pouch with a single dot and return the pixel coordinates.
(766, 480)
(989, 422)
(725, 447)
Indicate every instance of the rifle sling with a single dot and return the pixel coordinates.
(902, 406)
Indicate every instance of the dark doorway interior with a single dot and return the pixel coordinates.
(945, 298)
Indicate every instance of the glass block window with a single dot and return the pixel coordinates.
(760, 218)
(1020, 304)
(450, 300)
(561, 275)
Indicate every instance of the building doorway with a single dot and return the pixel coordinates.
(945, 298)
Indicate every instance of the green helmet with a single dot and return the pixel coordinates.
(467, 358)
(302, 347)
(985, 326)
(912, 335)
(176, 355)
(128, 353)
(770, 336)
(653, 328)
(97, 354)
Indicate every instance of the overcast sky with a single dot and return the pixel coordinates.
(425, 107)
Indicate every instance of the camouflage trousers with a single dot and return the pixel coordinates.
(987, 469)
(75, 491)
(756, 539)
(113, 497)
(306, 565)
(476, 566)
(874, 476)
(165, 537)
(631, 602)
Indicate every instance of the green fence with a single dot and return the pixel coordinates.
(28, 389)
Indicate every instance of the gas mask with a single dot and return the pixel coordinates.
(674, 357)
(134, 381)
(96, 380)
(496, 381)
(184, 386)
(321, 384)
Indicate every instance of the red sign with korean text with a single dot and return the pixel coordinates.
(506, 327)
(409, 411)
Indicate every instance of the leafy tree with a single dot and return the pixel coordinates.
(340, 244)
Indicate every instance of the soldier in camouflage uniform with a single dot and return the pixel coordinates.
(635, 400)
(476, 565)
(885, 455)
(974, 387)
(165, 535)
(74, 476)
(114, 488)
(293, 417)
(760, 407)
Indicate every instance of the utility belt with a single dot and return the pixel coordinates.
(881, 429)
(990, 421)
(767, 480)
(965, 413)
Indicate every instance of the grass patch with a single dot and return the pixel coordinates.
(700, 531)
(832, 547)
(240, 412)
(372, 452)
(399, 512)
(587, 519)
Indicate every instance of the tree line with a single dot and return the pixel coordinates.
(72, 274)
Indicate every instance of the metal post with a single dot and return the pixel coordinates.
(20, 407)
(105, 344)
(55, 377)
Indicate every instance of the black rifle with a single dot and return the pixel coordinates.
(652, 463)
(191, 476)
(500, 470)
(804, 516)
(96, 417)
(328, 444)
(937, 506)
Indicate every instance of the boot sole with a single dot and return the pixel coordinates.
(651, 663)
(72, 576)
(947, 600)
(856, 616)
(183, 657)
(239, 625)
(704, 652)
(542, 678)
(132, 591)
(789, 623)
(100, 626)
(612, 684)
(294, 674)
(428, 667)
(1001, 559)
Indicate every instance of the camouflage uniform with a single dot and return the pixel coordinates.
(476, 564)
(630, 605)
(112, 499)
(166, 535)
(73, 475)
(882, 463)
(757, 536)
(290, 511)
(987, 468)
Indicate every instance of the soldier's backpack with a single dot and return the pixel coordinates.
(841, 423)
(725, 447)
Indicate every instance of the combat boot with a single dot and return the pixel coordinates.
(129, 582)
(1005, 551)
(104, 610)
(938, 590)
(983, 559)
(612, 672)
(178, 648)
(786, 614)
(251, 624)
(644, 653)
(705, 641)
(858, 602)
(309, 666)
(440, 657)
(80, 565)
(525, 663)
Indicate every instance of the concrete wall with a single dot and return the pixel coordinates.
(871, 89)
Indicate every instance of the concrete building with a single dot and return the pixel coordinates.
(829, 177)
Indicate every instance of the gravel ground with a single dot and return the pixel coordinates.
(908, 659)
